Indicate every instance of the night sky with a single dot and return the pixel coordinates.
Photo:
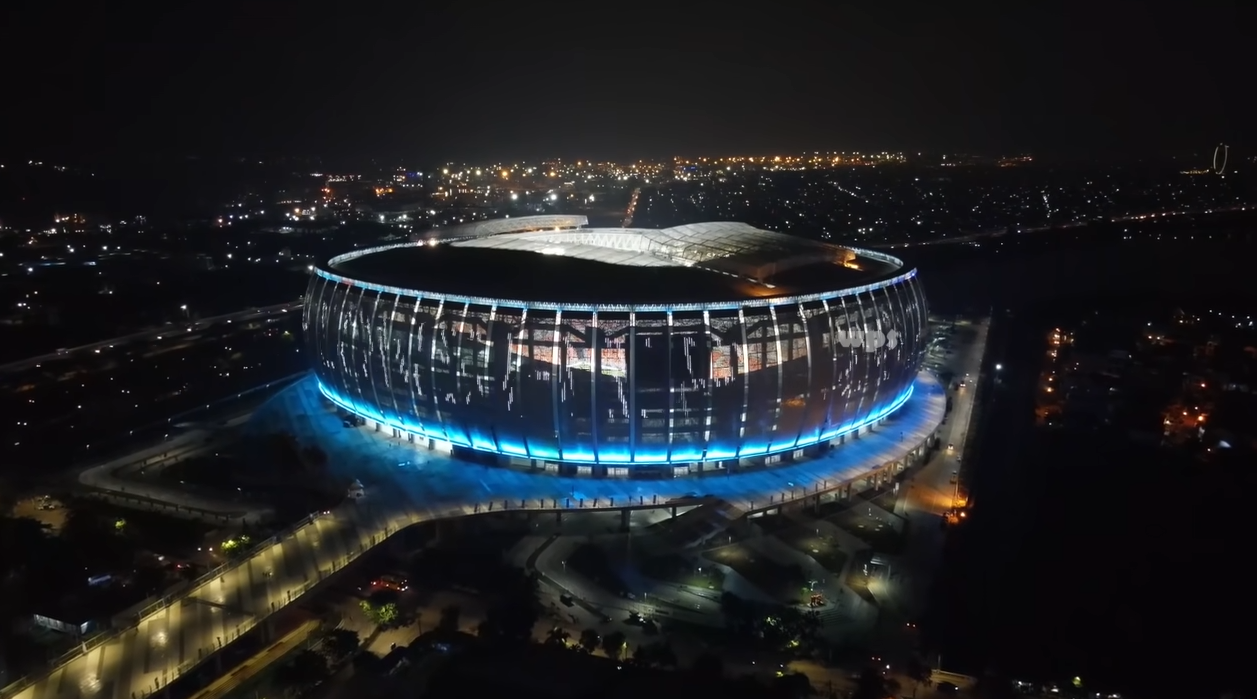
(477, 81)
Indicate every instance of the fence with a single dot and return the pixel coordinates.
(141, 502)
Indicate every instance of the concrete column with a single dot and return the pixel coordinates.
(624, 519)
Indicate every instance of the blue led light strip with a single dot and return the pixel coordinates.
(611, 459)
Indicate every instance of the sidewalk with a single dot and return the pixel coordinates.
(928, 493)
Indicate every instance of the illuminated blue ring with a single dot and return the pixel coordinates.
(367, 414)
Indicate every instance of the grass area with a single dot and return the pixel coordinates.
(592, 562)
(786, 584)
(679, 570)
(823, 549)
(881, 536)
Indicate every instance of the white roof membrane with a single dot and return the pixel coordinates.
(726, 247)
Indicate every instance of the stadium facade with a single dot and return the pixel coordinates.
(541, 342)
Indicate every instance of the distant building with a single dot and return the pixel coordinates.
(69, 621)
(83, 613)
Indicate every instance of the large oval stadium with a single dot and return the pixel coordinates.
(541, 341)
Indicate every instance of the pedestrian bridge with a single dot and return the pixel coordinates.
(175, 634)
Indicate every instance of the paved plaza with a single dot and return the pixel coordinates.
(404, 485)
(419, 475)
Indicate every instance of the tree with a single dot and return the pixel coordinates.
(614, 644)
(657, 654)
(381, 608)
(664, 655)
(870, 685)
(994, 686)
(382, 615)
(792, 686)
(449, 620)
(557, 638)
(512, 620)
(340, 643)
(149, 579)
(87, 534)
(642, 656)
(37, 566)
(287, 453)
(314, 462)
(315, 458)
(237, 546)
(589, 640)
(365, 662)
(708, 666)
(306, 669)
(22, 535)
(917, 670)
(732, 605)
(26, 546)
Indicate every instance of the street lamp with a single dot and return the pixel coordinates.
(999, 367)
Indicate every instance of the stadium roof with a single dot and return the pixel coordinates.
(556, 258)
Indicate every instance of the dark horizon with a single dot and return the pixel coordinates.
(474, 84)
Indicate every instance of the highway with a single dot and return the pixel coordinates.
(108, 481)
(164, 332)
(174, 635)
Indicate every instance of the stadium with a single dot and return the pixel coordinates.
(540, 342)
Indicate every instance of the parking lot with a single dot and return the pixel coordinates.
(44, 509)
